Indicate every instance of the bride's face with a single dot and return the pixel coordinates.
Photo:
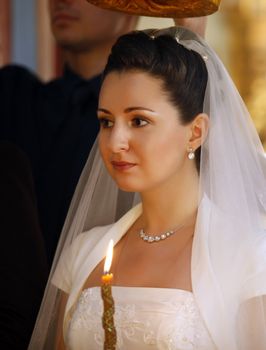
(142, 141)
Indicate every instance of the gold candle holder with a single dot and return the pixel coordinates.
(159, 8)
(108, 303)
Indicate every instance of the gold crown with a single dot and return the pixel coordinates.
(161, 8)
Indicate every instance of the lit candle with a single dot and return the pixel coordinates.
(108, 302)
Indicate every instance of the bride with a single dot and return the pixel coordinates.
(190, 259)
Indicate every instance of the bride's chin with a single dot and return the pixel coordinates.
(127, 187)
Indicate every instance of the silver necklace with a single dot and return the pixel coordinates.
(159, 237)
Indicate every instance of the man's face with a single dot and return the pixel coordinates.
(78, 25)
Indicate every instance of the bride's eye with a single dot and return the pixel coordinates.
(105, 123)
(139, 122)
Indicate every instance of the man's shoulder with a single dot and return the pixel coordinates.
(18, 71)
(15, 79)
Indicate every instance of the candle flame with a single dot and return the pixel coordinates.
(109, 257)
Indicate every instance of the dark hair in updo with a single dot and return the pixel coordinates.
(183, 72)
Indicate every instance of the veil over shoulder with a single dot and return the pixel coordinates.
(229, 247)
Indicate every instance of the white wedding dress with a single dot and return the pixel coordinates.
(145, 318)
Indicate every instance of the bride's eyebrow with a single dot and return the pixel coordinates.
(128, 110)
(103, 110)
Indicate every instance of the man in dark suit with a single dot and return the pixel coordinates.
(55, 123)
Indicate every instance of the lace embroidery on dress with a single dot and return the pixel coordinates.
(170, 322)
(188, 330)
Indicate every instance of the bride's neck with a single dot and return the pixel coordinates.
(168, 206)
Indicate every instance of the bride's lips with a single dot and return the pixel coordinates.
(122, 166)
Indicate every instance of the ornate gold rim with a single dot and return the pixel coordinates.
(161, 8)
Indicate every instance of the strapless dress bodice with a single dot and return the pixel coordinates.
(145, 318)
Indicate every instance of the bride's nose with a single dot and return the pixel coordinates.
(119, 139)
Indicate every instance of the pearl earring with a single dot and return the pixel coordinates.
(191, 153)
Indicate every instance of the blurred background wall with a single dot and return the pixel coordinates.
(237, 32)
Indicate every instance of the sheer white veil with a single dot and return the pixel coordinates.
(229, 248)
(97, 201)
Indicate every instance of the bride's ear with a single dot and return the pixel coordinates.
(199, 130)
